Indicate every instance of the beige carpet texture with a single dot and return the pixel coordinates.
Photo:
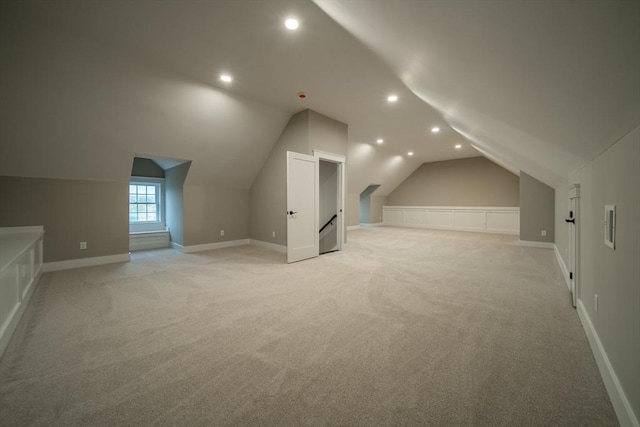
(403, 327)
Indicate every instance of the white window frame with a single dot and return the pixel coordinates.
(160, 225)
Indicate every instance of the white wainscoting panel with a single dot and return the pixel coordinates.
(503, 220)
(20, 270)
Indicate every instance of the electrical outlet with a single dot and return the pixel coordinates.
(273, 234)
(222, 232)
(595, 302)
(543, 232)
(83, 245)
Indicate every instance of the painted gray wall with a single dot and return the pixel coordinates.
(327, 134)
(365, 209)
(353, 209)
(306, 131)
(614, 275)
(146, 167)
(71, 211)
(537, 210)
(174, 196)
(269, 191)
(377, 202)
(474, 181)
(208, 209)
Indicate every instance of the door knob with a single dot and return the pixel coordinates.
(292, 213)
(571, 220)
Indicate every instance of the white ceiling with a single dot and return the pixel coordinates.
(540, 87)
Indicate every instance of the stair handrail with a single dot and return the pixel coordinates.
(328, 222)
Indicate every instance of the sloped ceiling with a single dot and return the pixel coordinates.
(537, 86)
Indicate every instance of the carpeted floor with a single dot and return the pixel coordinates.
(403, 327)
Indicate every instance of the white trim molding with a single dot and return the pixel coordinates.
(352, 227)
(271, 246)
(212, 246)
(563, 267)
(497, 220)
(619, 399)
(544, 245)
(85, 262)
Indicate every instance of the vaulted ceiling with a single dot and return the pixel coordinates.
(536, 86)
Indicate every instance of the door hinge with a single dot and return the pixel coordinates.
(571, 276)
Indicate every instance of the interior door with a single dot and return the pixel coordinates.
(574, 235)
(302, 202)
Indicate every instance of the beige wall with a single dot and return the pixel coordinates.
(269, 190)
(305, 132)
(614, 275)
(174, 196)
(375, 212)
(353, 209)
(475, 181)
(207, 210)
(537, 210)
(71, 212)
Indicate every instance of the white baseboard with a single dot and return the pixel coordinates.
(563, 267)
(544, 245)
(211, 246)
(621, 404)
(267, 245)
(353, 227)
(176, 246)
(85, 262)
(373, 224)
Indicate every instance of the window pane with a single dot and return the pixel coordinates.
(142, 216)
(142, 189)
(151, 217)
(151, 189)
(151, 208)
(132, 199)
(132, 189)
(151, 198)
(133, 207)
(133, 217)
(142, 199)
(142, 208)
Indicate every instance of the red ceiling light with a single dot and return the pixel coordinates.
(302, 95)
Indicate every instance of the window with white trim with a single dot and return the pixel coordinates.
(146, 203)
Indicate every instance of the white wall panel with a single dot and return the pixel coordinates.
(503, 220)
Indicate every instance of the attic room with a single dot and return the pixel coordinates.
(471, 170)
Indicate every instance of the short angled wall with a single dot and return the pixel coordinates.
(502, 220)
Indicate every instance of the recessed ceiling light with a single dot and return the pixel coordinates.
(410, 153)
(226, 78)
(291, 23)
(392, 98)
(435, 129)
(380, 140)
(458, 146)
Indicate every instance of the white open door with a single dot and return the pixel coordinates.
(574, 242)
(302, 202)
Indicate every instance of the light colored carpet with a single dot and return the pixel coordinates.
(403, 327)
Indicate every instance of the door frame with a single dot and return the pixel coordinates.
(340, 161)
(574, 242)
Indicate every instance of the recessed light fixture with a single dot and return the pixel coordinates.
(458, 146)
(379, 140)
(226, 78)
(392, 98)
(291, 23)
(410, 153)
(435, 129)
